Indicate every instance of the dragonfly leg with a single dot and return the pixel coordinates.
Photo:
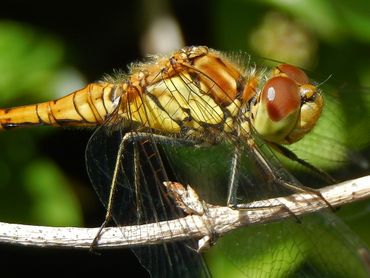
(132, 137)
(233, 187)
(233, 181)
(305, 189)
(296, 187)
(137, 182)
(280, 206)
(292, 156)
(108, 215)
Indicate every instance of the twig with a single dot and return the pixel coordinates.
(202, 219)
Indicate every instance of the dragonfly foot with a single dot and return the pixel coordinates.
(94, 243)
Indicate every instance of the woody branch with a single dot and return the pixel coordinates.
(201, 219)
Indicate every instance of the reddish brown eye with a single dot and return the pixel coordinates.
(294, 73)
(281, 97)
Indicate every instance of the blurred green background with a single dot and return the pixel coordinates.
(49, 50)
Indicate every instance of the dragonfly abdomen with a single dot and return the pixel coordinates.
(86, 107)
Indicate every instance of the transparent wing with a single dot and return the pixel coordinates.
(320, 246)
(141, 198)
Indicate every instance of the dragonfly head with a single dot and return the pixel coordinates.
(287, 107)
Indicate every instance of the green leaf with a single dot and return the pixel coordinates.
(28, 61)
(54, 203)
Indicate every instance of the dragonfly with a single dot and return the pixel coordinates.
(212, 120)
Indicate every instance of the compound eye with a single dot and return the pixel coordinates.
(281, 98)
(294, 73)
